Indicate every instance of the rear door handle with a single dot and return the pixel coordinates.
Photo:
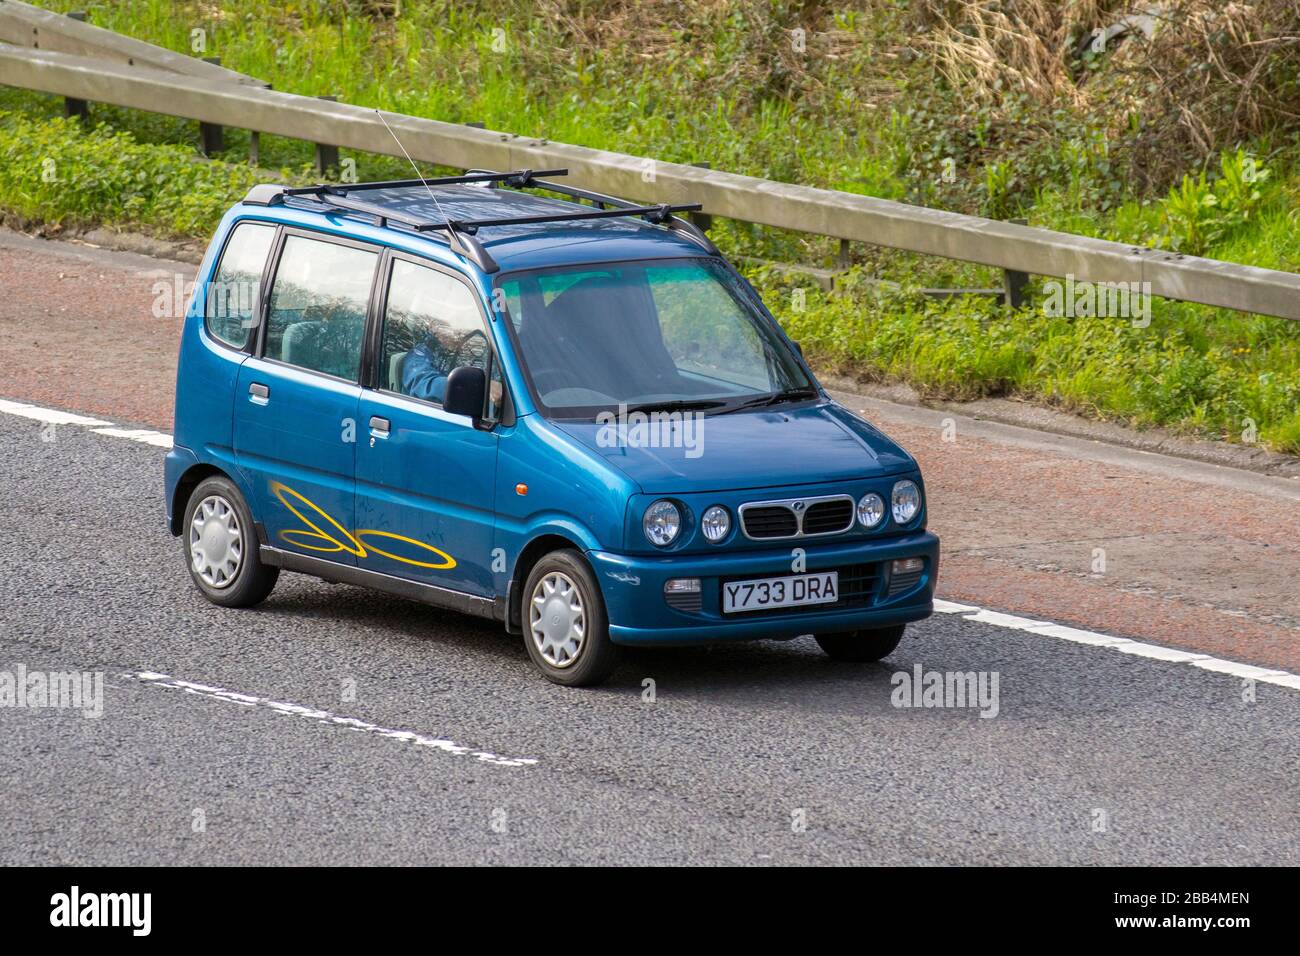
(259, 394)
(379, 427)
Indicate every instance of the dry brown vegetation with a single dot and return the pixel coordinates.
(1189, 78)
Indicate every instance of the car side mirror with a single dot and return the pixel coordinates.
(797, 347)
(466, 392)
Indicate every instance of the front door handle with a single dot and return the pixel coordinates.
(379, 427)
(259, 394)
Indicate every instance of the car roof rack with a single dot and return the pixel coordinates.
(461, 232)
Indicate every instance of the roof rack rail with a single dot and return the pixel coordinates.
(461, 232)
(600, 200)
(518, 178)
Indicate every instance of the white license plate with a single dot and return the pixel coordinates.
(761, 594)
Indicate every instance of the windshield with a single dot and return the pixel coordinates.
(663, 333)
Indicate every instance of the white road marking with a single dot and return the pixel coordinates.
(970, 612)
(137, 434)
(1156, 652)
(325, 717)
(50, 416)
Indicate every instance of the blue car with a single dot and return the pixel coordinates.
(570, 415)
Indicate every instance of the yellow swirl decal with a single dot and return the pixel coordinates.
(447, 560)
(318, 539)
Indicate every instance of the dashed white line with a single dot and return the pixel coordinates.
(325, 717)
(137, 434)
(969, 612)
(50, 416)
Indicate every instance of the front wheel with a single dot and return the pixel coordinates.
(565, 627)
(221, 550)
(862, 646)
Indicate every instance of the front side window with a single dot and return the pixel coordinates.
(231, 299)
(432, 325)
(646, 334)
(317, 317)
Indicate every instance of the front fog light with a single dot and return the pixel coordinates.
(682, 586)
(906, 566)
(905, 502)
(716, 523)
(871, 510)
(661, 523)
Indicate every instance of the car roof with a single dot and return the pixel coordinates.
(514, 246)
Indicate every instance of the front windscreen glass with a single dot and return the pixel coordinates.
(658, 334)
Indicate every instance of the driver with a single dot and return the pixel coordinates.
(422, 372)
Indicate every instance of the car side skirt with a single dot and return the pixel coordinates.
(492, 608)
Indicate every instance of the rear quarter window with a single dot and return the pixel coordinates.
(231, 302)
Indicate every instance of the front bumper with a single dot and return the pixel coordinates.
(633, 587)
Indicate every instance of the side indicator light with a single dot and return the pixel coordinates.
(521, 489)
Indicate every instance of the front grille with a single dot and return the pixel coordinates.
(797, 517)
(858, 586)
(770, 521)
(825, 517)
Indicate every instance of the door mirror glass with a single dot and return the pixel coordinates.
(466, 390)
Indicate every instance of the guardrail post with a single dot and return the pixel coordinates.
(212, 138)
(1014, 282)
(327, 157)
(74, 107)
(842, 260)
(254, 148)
(703, 221)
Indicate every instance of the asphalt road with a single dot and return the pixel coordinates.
(760, 753)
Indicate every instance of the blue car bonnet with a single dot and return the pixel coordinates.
(782, 446)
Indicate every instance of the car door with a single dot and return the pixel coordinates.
(426, 478)
(296, 398)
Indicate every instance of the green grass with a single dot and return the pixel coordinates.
(720, 83)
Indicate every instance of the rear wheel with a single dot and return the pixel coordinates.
(221, 546)
(862, 646)
(565, 627)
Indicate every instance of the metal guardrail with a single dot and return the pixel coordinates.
(24, 25)
(216, 99)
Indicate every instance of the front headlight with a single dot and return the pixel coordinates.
(871, 510)
(905, 501)
(662, 521)
(716, 523)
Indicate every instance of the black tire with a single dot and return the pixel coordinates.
(596, 656)
(862, 646)
(253, 580)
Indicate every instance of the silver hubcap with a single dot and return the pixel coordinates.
(216, 545)
(558, 623)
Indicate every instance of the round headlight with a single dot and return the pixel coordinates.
(871, 510)
(716, 523)
(662, 521)
(905, 501)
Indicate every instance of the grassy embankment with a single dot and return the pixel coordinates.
(930, 102)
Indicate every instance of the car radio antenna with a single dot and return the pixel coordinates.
(418, 174)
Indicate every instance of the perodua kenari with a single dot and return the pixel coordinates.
(569, 415)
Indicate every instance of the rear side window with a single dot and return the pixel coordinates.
(317, 317)
(232, 294)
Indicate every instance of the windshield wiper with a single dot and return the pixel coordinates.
(675, 405)
(785, 395)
